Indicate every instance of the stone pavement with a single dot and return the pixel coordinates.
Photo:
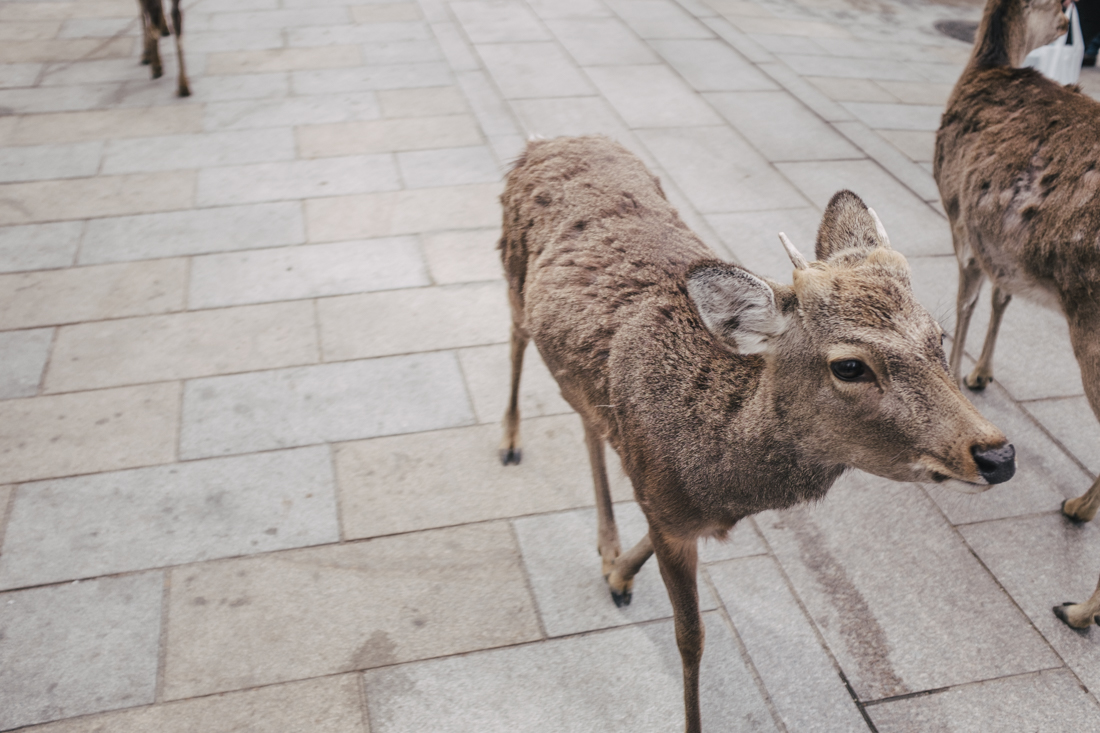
(253, 359)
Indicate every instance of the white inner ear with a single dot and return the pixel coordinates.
(737, 307)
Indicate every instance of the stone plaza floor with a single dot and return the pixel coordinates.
(253, 359)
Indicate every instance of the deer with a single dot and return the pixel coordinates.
(1017, 163)
(724, 394)
(153, 26)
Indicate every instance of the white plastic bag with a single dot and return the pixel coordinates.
(1059, 60)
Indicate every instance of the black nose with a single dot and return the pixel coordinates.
(996, 465)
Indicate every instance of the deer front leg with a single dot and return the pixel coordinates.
(678, 560)
(983, 372)
(1084, 328)
(1084, 507)
(151, 27)
(970, 284)
(184, 87)
(1081, 615)
(621, 577)
(607, 536)
(510, 449)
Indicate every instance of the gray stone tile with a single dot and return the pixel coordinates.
(52, 297)
(854, 68)
(327, 35)
(1045, 475)
(303, 110)
(169, 515)
(309, 271)
(651, 96)
(488, 374)
(566, 685)
(296, 179)
(601, 42)
(1044, 561)
(368, 78)
(753, 238)
(916, 178)
(384, 136)
(23, 357)
(577, 116)
(454, 47)
(782, 44)
(718, 171)
(852, 90)
(744, 45)
(882, 116)
(712, 66)
(237, 87)
(919, 145)
(426, 102)
(326, 403)
(781, 128)
(448, 167)
(1071, 421)
(553, 9)
(402, 52)
(192, 232)
(76, 649)
(417, 319)
(914, 92)
(801, 679)
(220, 41)
(39, 246)
(935, 283)
(529, 70)
(41, 162)
(407, 483)
(498, 21)
(902, 603)
(1045, 702)
(100, 71)
(914, 228)
(198, 151)
(658, 19)
(323, 705)
(182, 346)
(463, 257)
(30, 100)
(291, 18)
(252, 621)
(487, 105)
(805, 92)
(759, 24)
(559, 551)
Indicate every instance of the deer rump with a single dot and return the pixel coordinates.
(724, 394)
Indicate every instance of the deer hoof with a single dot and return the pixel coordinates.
(1073, 510)
(511, 456)
(621, 599)
(185, 91)
(976, 383)
(1064, 615)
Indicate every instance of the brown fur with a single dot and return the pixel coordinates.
(1018, 167)
(616, 293)
(154, 25)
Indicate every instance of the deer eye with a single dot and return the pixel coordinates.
(850, 370)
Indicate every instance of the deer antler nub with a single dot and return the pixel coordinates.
(796, 257)
(879, 228)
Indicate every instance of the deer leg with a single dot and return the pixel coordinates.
(970, 284)
(621, 577)
(1081, 615)
(510, 449)
(144, 33)
(678, 560)
(983, 372)
(153, 16)
(177, 25)
(607, 542)
(1084, 325)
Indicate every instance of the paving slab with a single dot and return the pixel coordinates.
(658, 19)
(1045, 702)
(405, 321)
(566, 685)
(323, 705)
(427, 102)
(180, 513)
(1073, 424)
(463, 256)
(40, 162)
(533, 69)
(392, 135)
(780, 638)
(550, 9)
(712, 66)
(39, 246)
(885, 116)
(308, 271)
(239, 623)
(650, 96)
(385, 13)
(488, 375)
(413, 482)
(753, 238)
(902, 603)
(851, 90)
(82, 198)
(23, 357)
(174, 152)
(1044, 561)
(199, 231)
(283, 59)
(498, 21)
(369, 78)
(73, 649)
(448, 167)
(919, 145)
(324, 403)
(574, 116)
(304, 110)
(297, 179)
(601, 42)
(345, 33)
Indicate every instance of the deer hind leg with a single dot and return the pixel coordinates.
(621, 577)
(1081, 615)
(177, 26)
(970, 284)
(607, 535)
(678, 560)
(1084, 326)
(152, 15)
(510, 448)
(983, 372)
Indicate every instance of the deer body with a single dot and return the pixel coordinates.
(1018, 167)
(715, 386)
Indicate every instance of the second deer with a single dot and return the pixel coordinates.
(153, 26)
(1018, 166)
(724, 394)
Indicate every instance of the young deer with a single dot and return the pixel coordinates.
(153, 26)
(1018, 167)
(723, 393)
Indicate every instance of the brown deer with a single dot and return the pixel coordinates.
(723, 393)
(153, 26)
(1018, 166)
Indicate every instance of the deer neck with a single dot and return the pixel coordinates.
(1002, 36)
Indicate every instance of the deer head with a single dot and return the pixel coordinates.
(1011, 29)
(856, 363)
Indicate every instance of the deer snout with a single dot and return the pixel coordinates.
(996, 465)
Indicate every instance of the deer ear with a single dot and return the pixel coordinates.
(848, 224)
(737, 307)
